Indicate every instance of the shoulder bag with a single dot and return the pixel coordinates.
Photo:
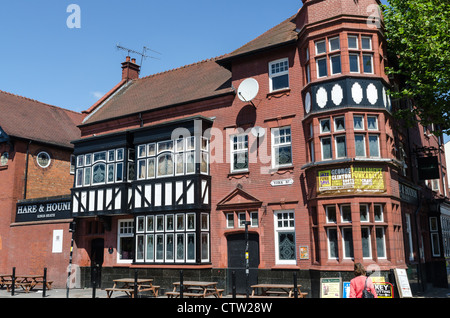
(366, 293)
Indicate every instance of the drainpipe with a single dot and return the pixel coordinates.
(419, 270)
(26, 171)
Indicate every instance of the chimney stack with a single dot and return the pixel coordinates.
(130, 70)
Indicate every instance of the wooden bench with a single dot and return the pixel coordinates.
(185, 294)
(152, 288)
(24, 286)
(128, 291)
(208, 290)
(261, 296)
(48, 284)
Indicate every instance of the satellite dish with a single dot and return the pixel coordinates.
(258, 131)
(248, 90)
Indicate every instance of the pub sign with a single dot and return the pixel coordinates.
(43, 210)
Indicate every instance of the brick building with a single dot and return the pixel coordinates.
(293, 132)
(36, 177)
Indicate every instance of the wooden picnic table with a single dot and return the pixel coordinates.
(5, 279)
(126, 285)
(196, 289)
(276, 290)
(26, 282)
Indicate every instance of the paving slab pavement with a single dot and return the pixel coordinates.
(88, 293)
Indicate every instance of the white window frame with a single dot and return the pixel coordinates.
(367, 228)
(325, 47)
(240, 141)
(357, 42)
(409, 233)
(332, 70)
(366, 207)
(384, 242)
(329, 124)
(230, 219)
(329, 44)
(321, 148)
(279, 145)
(335, 125)
(370, 42)
(242, 217)
(282, 229)
(344, 250)
(376, 123)
(121, 235)
(330, 221)
(281, 73)
(49, 159)
(254, 222)
(364, 141)
(362, 122)
(329, 245)
(371, 64)
(359, 67)
(336, 146)
(317, 67)
(379, 152)
(342, 213)
(381, 210)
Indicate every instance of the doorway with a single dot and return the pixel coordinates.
(97, 253)
(236, 260)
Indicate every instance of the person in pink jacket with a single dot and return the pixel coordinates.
(357, 283)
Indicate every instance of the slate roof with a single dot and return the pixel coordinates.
(26, 118)
(198, 81)
(281, 34)
(202, 80)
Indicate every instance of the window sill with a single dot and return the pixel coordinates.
(3, 167)
(286, 266)
(281, 170)
(279, 93)
(238, 175)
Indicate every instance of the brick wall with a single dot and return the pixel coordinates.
(28, 246)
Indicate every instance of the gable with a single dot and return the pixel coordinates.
(238, 198)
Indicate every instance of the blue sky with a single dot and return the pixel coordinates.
(43, 59)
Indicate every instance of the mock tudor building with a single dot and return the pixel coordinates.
(36, 175)
(291, 134)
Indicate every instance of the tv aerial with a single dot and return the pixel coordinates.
(142, 54)
(248, 90)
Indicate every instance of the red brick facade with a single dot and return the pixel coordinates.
(372, 222)
(28, 246)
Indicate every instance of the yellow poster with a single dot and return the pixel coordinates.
(351, 179)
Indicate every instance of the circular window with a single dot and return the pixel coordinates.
(43, 159)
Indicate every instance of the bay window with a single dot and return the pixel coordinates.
(104, 167)
(172, 238)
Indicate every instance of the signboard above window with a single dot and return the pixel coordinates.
(351, 179)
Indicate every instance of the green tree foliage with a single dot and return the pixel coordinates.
(418, 40)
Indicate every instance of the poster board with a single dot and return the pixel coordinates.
(351, 180)
(384, 289)
(331, 287)
(402, 281)
(346, 290)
